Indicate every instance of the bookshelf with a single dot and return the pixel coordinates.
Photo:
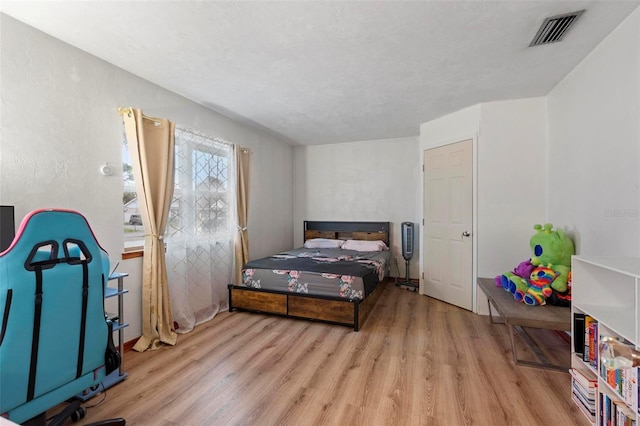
(605, 302)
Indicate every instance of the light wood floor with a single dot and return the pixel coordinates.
(416, 361)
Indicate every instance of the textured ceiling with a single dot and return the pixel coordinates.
(327, 72)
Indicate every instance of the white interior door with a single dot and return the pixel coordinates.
(448, 208)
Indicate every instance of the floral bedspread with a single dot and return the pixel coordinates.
(339, 273)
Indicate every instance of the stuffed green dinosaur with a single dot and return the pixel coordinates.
(552, 249)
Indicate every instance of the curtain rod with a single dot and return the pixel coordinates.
(129, 111)
(203, 135)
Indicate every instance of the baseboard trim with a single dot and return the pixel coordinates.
(411, 280)
(130, 344)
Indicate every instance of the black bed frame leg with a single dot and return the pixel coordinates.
(230, 286)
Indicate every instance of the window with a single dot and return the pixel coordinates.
(202, 196)
(132, 221)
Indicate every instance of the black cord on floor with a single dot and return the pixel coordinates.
(104, 396)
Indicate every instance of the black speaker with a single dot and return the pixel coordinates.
(407, 240)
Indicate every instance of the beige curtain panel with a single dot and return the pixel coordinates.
(152, 147)
(243, 168)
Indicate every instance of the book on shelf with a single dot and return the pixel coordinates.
(588, 401)
(585, 352)
(583, 391)
(622, 381)
(584, 378)
(614, 412)
(578, 334)
(600, 407)
(607, 409)
(590, 341)
(593, 344)
(630, 387)
(590, 415)
(624, 415)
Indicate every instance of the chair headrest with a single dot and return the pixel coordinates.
(49, 236)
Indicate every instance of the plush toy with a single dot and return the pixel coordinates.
(540, 289)
(547, 274)
(516, 282)
(554, 250)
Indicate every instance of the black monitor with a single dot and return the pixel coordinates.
(7, 227)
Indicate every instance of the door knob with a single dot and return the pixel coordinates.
(466, 234)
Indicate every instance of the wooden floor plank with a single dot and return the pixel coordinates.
(416, 361)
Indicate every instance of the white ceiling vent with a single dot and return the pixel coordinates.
(554, 29)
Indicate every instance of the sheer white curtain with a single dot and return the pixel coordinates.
(201, 229)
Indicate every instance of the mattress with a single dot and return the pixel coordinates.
(334, 273)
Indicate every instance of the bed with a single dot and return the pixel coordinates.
(336, 276)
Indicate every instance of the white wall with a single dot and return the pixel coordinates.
(511, 182)
(594, 139)
(455, 127)
(59, 124)
(360, 181)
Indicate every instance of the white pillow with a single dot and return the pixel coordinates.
(323, 243)
(364, 245)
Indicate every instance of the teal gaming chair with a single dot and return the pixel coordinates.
(54, 339)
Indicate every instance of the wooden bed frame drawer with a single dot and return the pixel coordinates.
(345, 312)
(327, 310)
(262, 302)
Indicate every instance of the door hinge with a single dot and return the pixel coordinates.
(422, 221)
(423, 168)
(422, 275)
